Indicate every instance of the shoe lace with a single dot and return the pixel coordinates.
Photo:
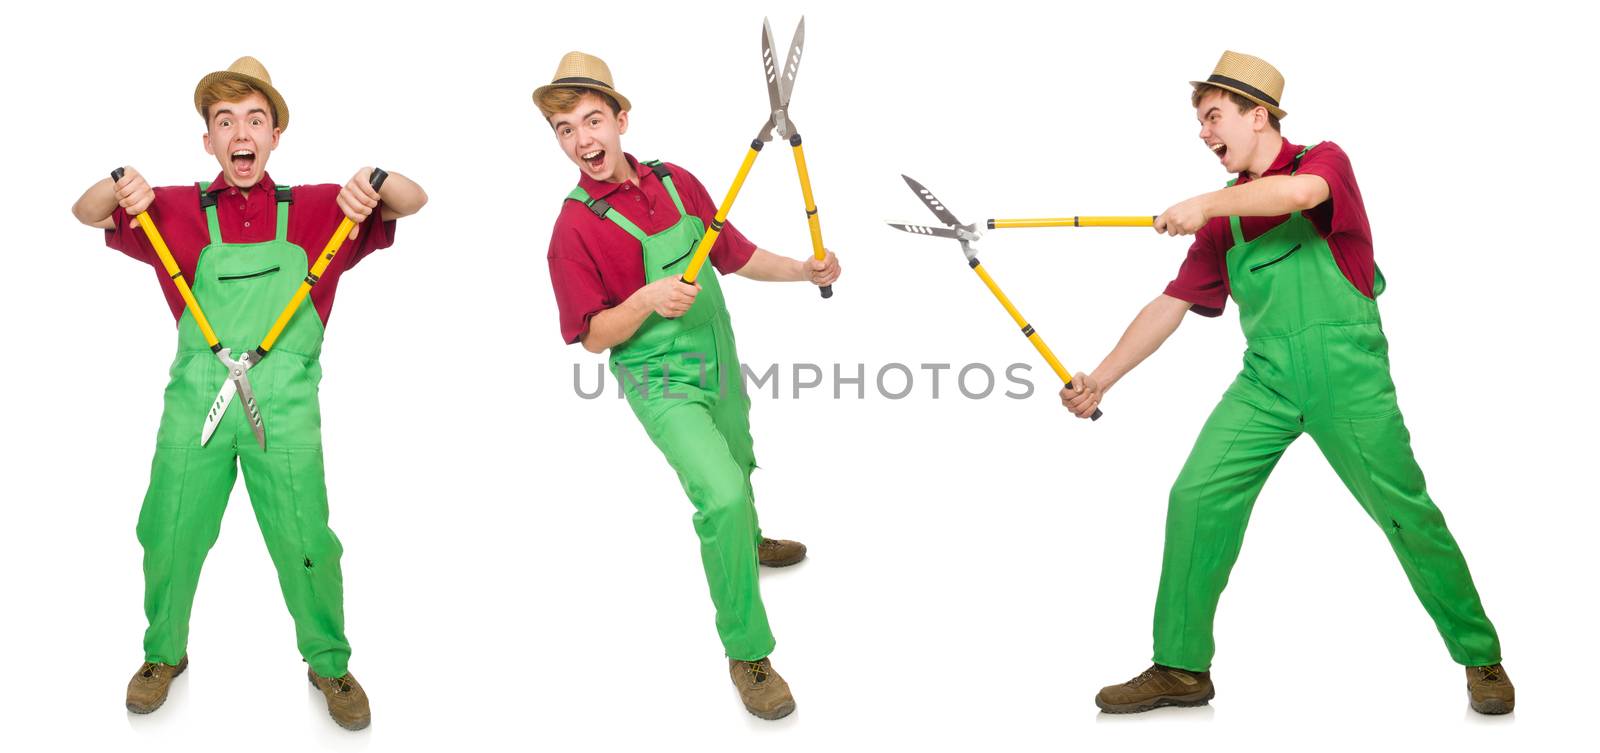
(768, 544)
(1143, 678)
(757, 670)
(1491, 673)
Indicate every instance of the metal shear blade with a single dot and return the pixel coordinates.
(236, 383)
(780, 75)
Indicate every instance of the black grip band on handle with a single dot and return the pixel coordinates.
(377, 178)
(827, 291)
(117, 174)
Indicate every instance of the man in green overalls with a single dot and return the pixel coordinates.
(620, 245)
(245, 244)
(1289, 240)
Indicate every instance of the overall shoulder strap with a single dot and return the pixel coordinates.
(208, 202)
(285, 198)
(1294, 167)
(603, 210)
(665, 176)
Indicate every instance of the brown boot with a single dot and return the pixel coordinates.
(764, 693)
(1490, 690)
(780, 552)
(1156, 687)
(347, 702)
(148, 688)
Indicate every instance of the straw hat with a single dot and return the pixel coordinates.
(249, 71)
(583, 71)
(1250, 77)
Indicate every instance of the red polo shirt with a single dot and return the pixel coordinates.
(247, 218)
(595, 265)
(1341, 221)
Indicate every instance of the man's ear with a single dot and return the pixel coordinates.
(275, 133)
(205, 140)
(622, 122)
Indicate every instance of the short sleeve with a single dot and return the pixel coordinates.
(1201, 281)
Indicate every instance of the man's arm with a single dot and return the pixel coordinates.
(770, 267)
(1263, 197)
(667, 296)
(400, 197)
(1154, 324)
(95, 207)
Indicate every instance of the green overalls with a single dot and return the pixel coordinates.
(682, 378)
(242, 288)
(1316, 362)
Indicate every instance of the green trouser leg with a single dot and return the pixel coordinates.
(715, 473)
(1207, 512)
(178, 523)
(290, 500)
(1373, 457)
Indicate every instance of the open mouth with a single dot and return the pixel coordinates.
(1221, 150)
(595, 159)
(244, 161)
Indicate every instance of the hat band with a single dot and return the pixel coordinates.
(1244, 87)
(581, 80)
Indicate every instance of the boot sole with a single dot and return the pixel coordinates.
(775, 714)
(782, 563)
(1194, 699)
(1493, 706)
(355, 726)
(182, 665)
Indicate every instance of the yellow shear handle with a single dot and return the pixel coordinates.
(1139, 221)
(169, 264)
(811, 208)
(329, 250)
(703, 251)
(1028, 331)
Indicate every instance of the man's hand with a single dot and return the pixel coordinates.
(1082, 397)
(358, 199)
(825, 270)
(1183, 218)
(133, 193)
(669, 296)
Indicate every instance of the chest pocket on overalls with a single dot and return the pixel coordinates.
(248, 275)
(1265, 264)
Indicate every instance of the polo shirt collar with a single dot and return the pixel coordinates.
(220, 184)
(599, 189)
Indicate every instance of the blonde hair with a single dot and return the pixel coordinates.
(564, 98)
(231, 90)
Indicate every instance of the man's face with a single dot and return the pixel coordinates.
(240, 135)
(591, 136)
(1228, 133)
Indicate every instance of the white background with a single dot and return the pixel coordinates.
(520, 566)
